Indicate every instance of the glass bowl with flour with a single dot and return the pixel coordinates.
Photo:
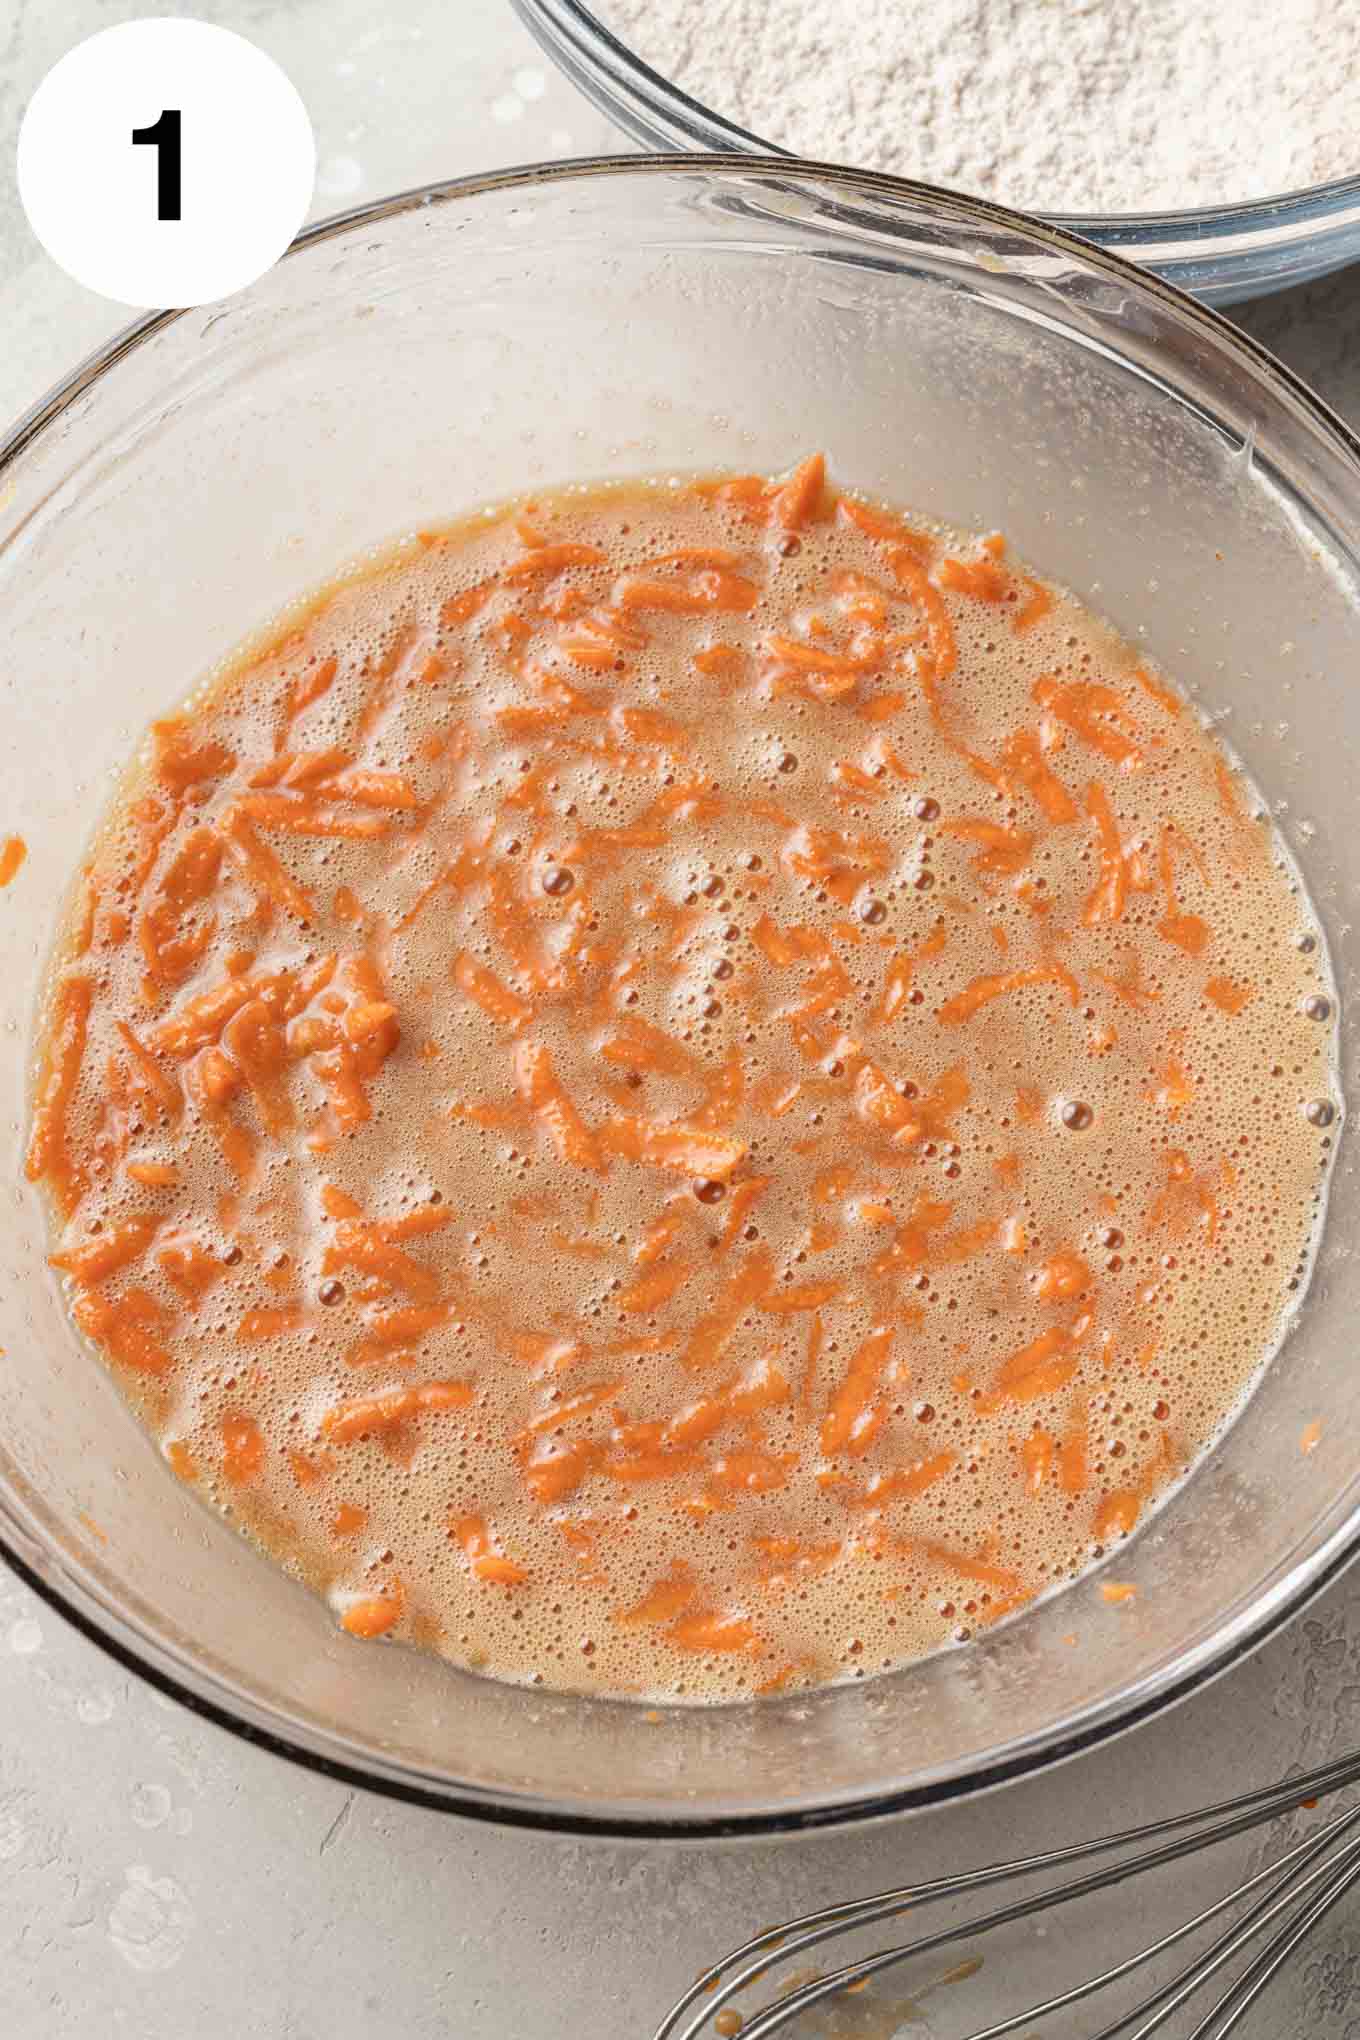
(1090, 115)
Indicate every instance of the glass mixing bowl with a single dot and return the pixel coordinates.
(644, 316)
(1220, 253)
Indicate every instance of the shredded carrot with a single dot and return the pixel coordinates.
(798, 500)
(1045, 1365)
(552, 559)
(713, 1633)
(1117, 1514)
(259, 1325)
(366, 1415)
(1037, 604)
(131, 1327)
(983, 989)
(373, 1616)
(854, 1417)
(1095, 713)
(1063, 1276)
(1023, 757)
(1002, 853)
(12, 855)
(662, 1602)
(983, 579)
(260, 867)
(108, 1252)
(243, 1449)
(485, 989)
(544, 1095)
(1157, 691)
(906, 1482)
(1036, 1459)
(154, 1175)
(1227, 996)
(1107, 900)
(691, 1149)
(485, 1562)
(1074, 1455)
(656, 1287)
(188, 1266)
(1188, 931)
(48, 1153)
(182, 763)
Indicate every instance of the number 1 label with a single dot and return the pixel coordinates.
(164, 137)
(84, 162)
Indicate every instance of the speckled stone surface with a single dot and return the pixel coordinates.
(162, 1881)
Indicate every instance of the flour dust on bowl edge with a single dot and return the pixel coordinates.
(188, 482)
(1221, 253)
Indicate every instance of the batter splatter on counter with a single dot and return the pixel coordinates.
(682, 1089)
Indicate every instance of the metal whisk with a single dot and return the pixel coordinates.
(1283, 1902)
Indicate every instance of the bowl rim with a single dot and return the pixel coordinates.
(64, 1584)
(710, 131)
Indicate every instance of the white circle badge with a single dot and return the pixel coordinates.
(166, 163)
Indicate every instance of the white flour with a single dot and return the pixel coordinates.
(1054, 105)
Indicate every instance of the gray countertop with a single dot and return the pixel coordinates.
(159, 1879)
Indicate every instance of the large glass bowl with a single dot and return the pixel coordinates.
(1221, 253)
(640, 316)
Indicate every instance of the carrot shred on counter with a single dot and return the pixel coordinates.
(12, 856)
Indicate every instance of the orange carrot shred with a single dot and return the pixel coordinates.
(983, 989)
